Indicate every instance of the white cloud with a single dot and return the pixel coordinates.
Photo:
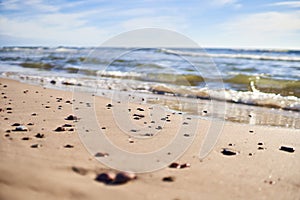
(234, 3)
(68, 31)
(292, 4)
(264, 28)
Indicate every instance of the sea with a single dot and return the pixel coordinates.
(248, 86)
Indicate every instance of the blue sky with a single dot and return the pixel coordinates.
(211, 23)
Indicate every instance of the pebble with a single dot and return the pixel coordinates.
(16, 124)
(287, 149)
(168, 179)
(71, 117)
(106, 178)
(39, 135)
(123, 177)
(35, 146)
(60, 129)
(100, 154)
(67, 125)
(69, 146)
(26, 138)
(53, 82)
(228, 152)
(80, 170)
(21, 128)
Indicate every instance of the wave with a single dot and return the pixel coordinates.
(254, 97)
(239, 56)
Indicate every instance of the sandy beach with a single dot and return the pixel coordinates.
(39, 161)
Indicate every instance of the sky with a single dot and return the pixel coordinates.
(210, 23)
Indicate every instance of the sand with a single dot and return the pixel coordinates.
(56, 165)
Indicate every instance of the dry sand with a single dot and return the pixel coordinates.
(35, 167)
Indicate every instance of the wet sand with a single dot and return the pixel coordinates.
(42, 156)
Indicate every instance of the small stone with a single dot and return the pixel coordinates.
(33, 114)
(168, 179)
(204, 111)
(261, 148)
(100, 154)
(69, 146)
(21, 128)
(186, 135)
(7, 131)
(106, 178)
(174, 165)
(67, 125)
(109, 105)
(39, 135)
(260, 143)
(53, 82)
(60, 129)
(185, 165)
(228, 152)
(30, 124)
(287, 149)
(80, 170)
(35, 146)
(250, 131)
(16, 124)
(140, 109)
(71, 117)
(123, 177)
(26, 138)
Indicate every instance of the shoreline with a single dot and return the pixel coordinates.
(57, 165)
(233, 113)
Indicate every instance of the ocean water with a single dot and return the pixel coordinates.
(259, 86)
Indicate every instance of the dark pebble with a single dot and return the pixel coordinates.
(21, 128)
(16, 124)
(287, 149)
(204, 111)
(138, 115)
(67, 125)
(7, 131)
(140, 109)
(168, 179)
(109, 105)
(261, 148)
(71, 117)
(30, 124)
(228, 152)
(174, 165)
(53, 82)
(186, 135)
(106, 178)
(33, 114)
(100, 154)
(123, 177)
(26, 138)
(35, 146)
(69, 146)
(136, 118)
(80, 170)
(39, 135)
(260, 143)
(59, 129)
